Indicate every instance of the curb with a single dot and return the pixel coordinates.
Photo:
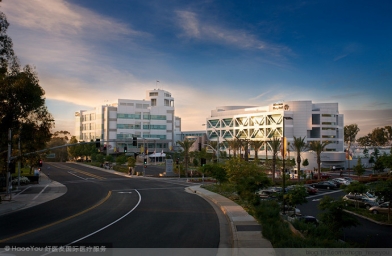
(367, 218)
(245, 230)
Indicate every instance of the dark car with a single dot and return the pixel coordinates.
(311, 190)
(308, 219)
(359, 200)
(324, 176)
(325, 184)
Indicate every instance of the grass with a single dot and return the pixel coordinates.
(381, 217)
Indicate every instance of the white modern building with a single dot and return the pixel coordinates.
(152, 120)
(314, 121)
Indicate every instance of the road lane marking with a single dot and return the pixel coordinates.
(326, 193)
(80, 171)
(99, 230)
(59, 221)
(40, 192)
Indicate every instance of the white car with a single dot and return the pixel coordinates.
(342, 181)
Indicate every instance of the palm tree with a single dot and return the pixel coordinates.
(186, 144)
(232, 145)
(298, 146)
(275, 146)
(318, 147)
(256, 144)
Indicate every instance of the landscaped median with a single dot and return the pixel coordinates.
(278, 231)
(381, 218)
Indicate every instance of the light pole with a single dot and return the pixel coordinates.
(217, 146)
(283, 163)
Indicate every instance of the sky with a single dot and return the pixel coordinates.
(208, 53)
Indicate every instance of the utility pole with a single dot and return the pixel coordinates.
(8, 191)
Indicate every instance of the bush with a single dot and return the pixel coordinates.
(23, 180)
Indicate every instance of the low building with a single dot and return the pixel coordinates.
(314, 121)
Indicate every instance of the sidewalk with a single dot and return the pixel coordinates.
(31, 195)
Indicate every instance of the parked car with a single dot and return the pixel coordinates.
(309, 219)
(367, 195)
(350, 179)
(311, 190)
(267, 194)
(289, 210)
(324, 176)
(325, 184)
(342, 181)
(360, 201)
(382, 208)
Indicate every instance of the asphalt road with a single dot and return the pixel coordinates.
(114, 211)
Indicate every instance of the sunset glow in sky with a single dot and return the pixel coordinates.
(208, 53)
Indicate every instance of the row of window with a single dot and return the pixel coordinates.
(138, 115)
(130, 136)
(138, 126)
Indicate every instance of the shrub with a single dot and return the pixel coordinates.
(23, 180)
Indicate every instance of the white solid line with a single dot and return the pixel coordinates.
(327, 193)
(140, 199)
(40, 192)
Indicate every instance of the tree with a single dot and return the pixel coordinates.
(384, 190)
(350, 132)
(298, 146)
(216, 171)
(22, 102)
(365, 141)
(59, 139)
(186, 144)
(296, 196)
(359, 169)
(122, 159)
(247, 178)
(256, 144)
(334, 216)
(275, 145)
(318, 147)
(72, 150)
(379, 137)
(388, 134)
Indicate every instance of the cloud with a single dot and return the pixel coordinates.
(199, 29)
(62, 18)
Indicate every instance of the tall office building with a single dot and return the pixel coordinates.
(151, 120)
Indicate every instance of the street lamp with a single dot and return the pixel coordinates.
(283, 163)
(217, 147)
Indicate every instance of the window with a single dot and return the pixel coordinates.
(153, 94)
(167, 103)
(157, 117)
(125, 126)
(153, 102)
(126, 116)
